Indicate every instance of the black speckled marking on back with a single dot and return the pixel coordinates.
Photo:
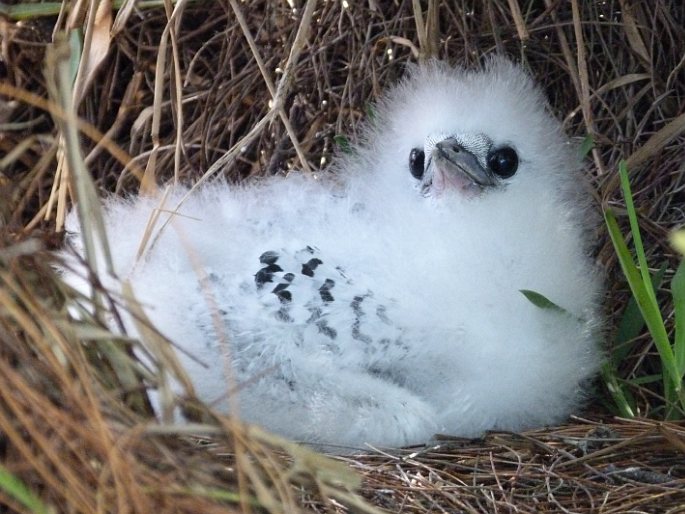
(283, 295)
(266, 274)
(382, 313)
(312, 287)
(326, 330)
(269, 257)
(283, 286)
(321, 322)
(311, 265)
(325, 290)
(359, 313)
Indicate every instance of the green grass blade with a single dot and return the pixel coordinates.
(645, 379)
(75, 38)
(632, 323)
(30, 10)
(635, 230)
(15, 488)
(678, 292)
(27, 11)
(618, 393)
(647, 303)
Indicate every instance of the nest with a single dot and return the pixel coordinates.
(179, 92)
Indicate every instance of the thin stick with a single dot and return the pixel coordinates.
(281, 92)
(173, 16)
(518, 20)
(585, 83)
(420, 28)
(269, 84)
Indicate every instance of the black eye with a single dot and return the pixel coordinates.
(503, 162)
(416, 161)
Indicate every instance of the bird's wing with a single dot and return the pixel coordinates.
(296, 302)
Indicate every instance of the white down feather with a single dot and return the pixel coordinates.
(442, 340)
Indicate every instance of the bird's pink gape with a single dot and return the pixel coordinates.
(448, 180)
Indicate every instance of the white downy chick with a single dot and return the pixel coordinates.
(382, 304)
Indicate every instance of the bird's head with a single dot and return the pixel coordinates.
(469, 132)
(467, 163)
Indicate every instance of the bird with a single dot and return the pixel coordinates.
(383, 300)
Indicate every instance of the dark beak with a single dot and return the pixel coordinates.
(451, 157)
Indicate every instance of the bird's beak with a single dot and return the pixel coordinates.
(456, 167)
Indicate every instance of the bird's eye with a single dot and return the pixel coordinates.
(416, 162)
(503, 162)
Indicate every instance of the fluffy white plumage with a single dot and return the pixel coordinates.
(388, 307)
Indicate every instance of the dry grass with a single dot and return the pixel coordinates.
(176, 103)
(626, 466)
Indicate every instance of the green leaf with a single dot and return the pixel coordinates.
(632, 323)
(587, 145)
(15, 488)
(541, 301)
(370, 112)
(343, 143)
